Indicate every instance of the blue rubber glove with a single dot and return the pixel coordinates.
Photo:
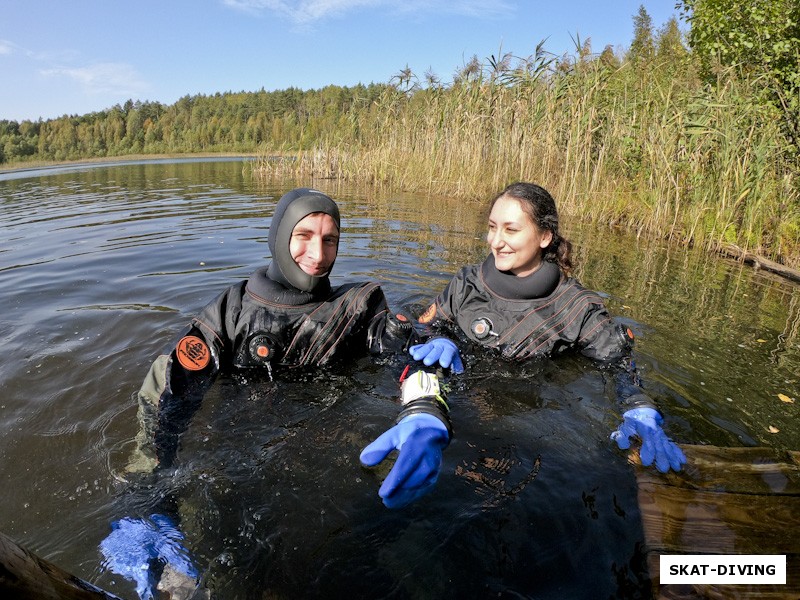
(420, 439)
(646, 423)
(135, 544)
(438, 349)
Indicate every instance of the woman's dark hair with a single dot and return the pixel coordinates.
(539, 205)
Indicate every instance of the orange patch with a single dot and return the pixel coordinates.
(630, 333)
(193, 353)
(429, 314)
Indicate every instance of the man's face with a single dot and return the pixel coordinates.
(315, 243)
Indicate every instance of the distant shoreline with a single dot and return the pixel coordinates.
(21, 167)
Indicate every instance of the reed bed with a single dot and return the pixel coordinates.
(654, 149)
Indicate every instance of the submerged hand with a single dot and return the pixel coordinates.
(646, 423)
(438, 349)
(135, 545)
(420, 439)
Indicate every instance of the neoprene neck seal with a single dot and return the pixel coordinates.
(263, 287)
(538, 284)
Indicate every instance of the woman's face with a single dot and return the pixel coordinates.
(315, 243)
(515, 240)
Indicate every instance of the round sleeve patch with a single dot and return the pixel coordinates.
(193, 353)
(429, 314)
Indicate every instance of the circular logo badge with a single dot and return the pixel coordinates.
(193, 353)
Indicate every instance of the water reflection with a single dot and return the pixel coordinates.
(721, 337)
(101, 266)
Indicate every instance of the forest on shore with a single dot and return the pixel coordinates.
(691, 135)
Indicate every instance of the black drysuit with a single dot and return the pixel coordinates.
(279, 317)
(542, 314)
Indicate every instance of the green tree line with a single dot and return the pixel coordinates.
(223, 122)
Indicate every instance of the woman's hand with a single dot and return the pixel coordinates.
(656, 446)
(438, 349)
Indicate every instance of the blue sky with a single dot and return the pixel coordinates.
(76, 57)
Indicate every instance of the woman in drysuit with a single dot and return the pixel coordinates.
(522, 303)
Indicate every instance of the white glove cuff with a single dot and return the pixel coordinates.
(419, 385)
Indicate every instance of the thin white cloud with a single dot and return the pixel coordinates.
(7, 47)
(469, 8)
(307, 11)
(300, 11)
(118, 79)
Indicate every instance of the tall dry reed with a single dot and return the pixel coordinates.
(654, 151)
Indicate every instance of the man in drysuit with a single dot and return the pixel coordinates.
(285, 315)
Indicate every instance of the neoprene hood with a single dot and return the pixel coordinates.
(292, 208)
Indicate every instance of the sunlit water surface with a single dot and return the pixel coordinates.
(102, 266)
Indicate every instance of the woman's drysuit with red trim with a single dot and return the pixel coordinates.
(544, 314)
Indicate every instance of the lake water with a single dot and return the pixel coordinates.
(101, 267)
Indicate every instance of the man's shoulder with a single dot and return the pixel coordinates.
(357, 287)
(357, 290)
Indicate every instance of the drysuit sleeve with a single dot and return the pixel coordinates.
(176, 383)
(611, 344)
(391, 332)
(444, 308)
(440, 317)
